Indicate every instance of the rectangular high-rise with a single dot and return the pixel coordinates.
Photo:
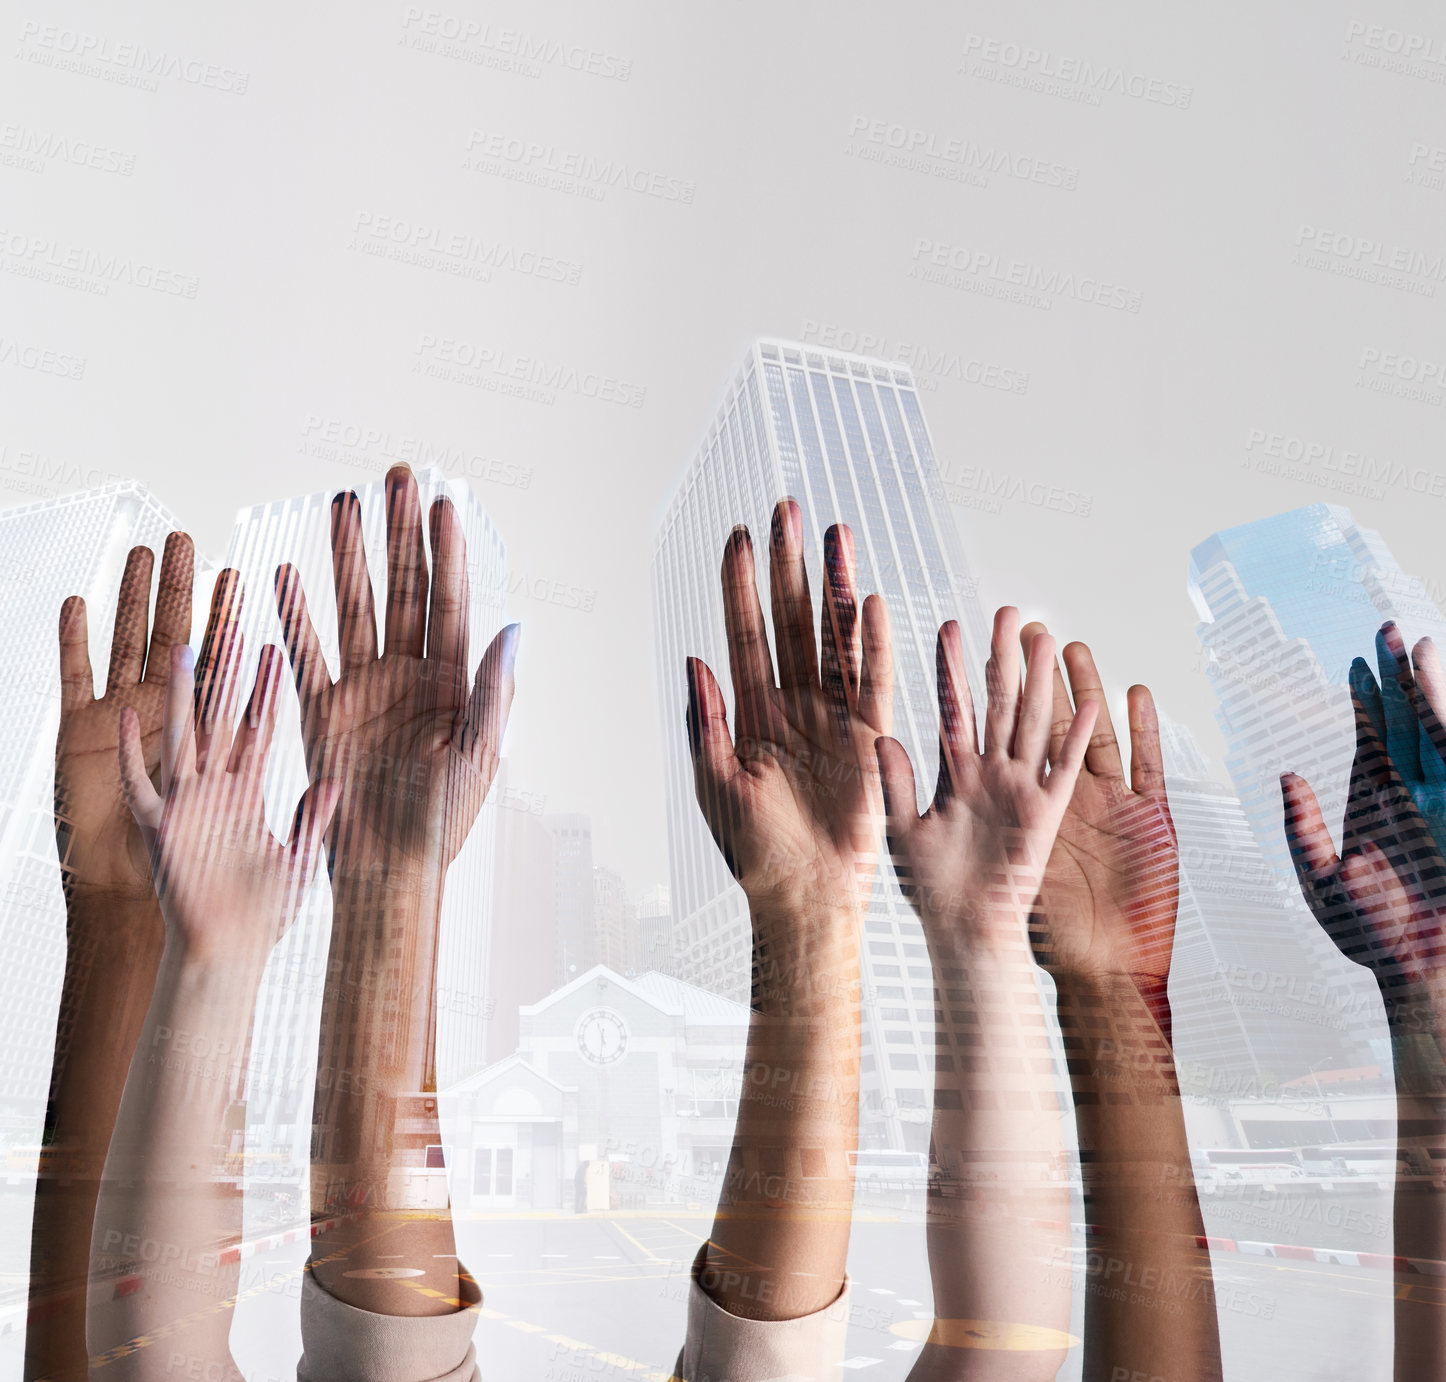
(845, 436)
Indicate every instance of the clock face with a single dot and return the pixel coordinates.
(602, 1036)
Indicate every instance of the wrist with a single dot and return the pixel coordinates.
(985, 940)
(805, 957)
(1413, 1009)
(207, 973)
(384, 886)
(114, 918)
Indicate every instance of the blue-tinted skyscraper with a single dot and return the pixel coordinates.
(1286, 602)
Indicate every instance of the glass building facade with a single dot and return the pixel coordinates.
(1286, 603)
(845, 436)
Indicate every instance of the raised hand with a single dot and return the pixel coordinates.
(973, 862)
(1107, 905)
(1104, 927)
(971, 865)
(114, 932)
(1382, 899)
(101, 851)
(792, 796)
(227, 888)
(412, 745)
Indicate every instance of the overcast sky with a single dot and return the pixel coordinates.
(276, 181)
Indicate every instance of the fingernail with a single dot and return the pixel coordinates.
(690, 717)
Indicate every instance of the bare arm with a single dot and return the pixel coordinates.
(792, 799)
(414, 747)
(1104, 927)
(113, 937)
(170, 1204)
(971, 866)
(1383, 902)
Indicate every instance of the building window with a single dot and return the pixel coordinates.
(504, 1170)
(436, 1159)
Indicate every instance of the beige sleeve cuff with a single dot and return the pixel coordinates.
(722, 1347)
(340, 1343)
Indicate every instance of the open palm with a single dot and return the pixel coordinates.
(792, 797)
(100, 847)
(1108, 902)
(412, 746)
(971, 865)
(1382, 899)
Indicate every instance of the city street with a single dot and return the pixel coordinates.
(605, 1295)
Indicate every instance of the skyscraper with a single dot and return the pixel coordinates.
(1285, 604)
(573, 905)
(845, 436)
(615, 921)
(523, 963)
(72, 545)
(1255, 1001)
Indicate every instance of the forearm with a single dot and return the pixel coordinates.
(998, 1214)
(1414, 1021)
(1150, 1301)
(375, 1109)
(112, 953)
(170, 1204)
(780, 1239)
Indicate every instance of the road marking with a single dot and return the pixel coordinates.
(641, 1247)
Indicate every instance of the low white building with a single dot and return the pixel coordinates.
(639, 1073)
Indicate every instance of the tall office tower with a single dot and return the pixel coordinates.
(845, 436)
(1254, 1005)
(576, 945)
(73, 545)
(286, 1055)
(655, 930)
(615, 921)
(523, 964)
(1286, 602)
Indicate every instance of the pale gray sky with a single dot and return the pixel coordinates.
(364, 130)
